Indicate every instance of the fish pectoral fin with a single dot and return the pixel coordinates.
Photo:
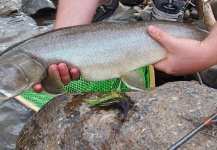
(53, 84)
(134, 79)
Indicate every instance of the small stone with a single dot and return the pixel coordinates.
(194, 14)
(137, 16)
(187, 14)
(146, 13)
(137, 8)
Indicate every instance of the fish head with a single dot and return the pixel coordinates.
(18, 73)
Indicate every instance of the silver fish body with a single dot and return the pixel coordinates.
(100, 51)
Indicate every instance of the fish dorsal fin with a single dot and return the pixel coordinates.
(53, 85)
(134, 79)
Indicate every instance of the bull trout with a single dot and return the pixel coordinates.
(100, 51)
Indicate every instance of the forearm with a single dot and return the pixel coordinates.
(75, 12)
(209, 46)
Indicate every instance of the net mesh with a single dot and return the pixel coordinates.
(78, 86)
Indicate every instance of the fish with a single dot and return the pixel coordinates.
(100, 51)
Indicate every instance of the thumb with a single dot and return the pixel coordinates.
(160, 36)
(161, 65)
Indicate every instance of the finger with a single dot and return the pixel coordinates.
(75, 74)
(164, 66)
(160, 36)
(37, 88)
(53, 71)
(161, 65)
(64, 73)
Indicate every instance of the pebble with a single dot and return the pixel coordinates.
(146, 13)
(194, 14)
(187, 14)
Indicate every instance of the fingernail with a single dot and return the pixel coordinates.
(74, 73)
(62, 68)
(151, 29)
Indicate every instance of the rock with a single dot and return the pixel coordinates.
(187, 14)
(33, 6)
(137, 8)
(7, 7)
(194, 14)
(213, 5)
(160, 117)
(137, 16)
(208, 76)
(121, 8)
(13, 116)
(146, 13)
(18, 27)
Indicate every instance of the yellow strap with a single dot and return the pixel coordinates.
(26, 103)
(152, 76)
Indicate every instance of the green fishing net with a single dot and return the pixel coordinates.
(78, 86)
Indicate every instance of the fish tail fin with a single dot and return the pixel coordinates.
(134, 80)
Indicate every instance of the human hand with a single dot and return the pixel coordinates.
(185, 55)
(60, 71)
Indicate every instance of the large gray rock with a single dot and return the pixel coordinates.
(159, 118)
(33, 6)
(13, 116)
(7, 7)
(18, 27)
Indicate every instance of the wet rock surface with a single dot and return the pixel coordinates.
(18, 27)
(13, 117)
(33, 6)
(8, 7)
(160, 117)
